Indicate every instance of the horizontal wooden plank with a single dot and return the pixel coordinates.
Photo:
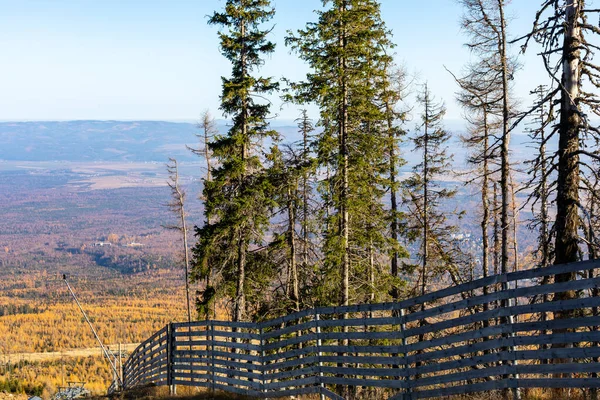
(179, 325)
(382, 360)
(360, 322)
(562, 368)
(286, 374)
(188, 377)
(361, 335)
(306, 361)
(310, 380)
(274, 333)
(475, 301)
(354, 371)
(462, 376)
(287, 318)
(359, 349)
(297, 391)
(236, 390)
(538, 340)
(293, 353)
(384, 383)
(503, 312)
(237, 356)
(560, 383)
(310, 337)
(257, 376)
(235, 364)
(238, 335)
(215, 343)
(195, 383)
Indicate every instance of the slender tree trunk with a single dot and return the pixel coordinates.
(393, 196)
(504, 150)
(425, 241)
(515, 222)
(371, 274)
(295, 293)
(206, 123)
(305, 198)
(345, 229)
(187, 263)
(496, 230)
(240, 306)
(425, 206)
(567, 217)
(344, 154)
(544, 216)
(485, 201)
(240, 303)
(544, 238)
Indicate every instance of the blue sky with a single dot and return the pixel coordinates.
(159, 60)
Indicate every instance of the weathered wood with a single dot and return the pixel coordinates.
(293, 353)
(290, 363)
(279, 375)
(208, 343)
(374, 371)
(288, 329)
(384, 383)
(311, 380)
(463, 352)
(309, 337)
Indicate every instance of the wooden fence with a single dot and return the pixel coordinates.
(499, 332)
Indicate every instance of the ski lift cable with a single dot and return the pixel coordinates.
(104, 350)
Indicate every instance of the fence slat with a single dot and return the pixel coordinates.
(489, 334)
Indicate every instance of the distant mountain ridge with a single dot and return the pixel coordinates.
(135, 141)
(144, 141)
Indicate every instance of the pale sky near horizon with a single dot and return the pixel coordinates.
(159, 60)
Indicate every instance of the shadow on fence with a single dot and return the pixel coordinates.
(489, 334)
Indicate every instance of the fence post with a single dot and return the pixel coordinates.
(212, 356)
(319, 354)
(124, 375)
(170, 345)
(405, 364)
(511, 349)
(262, 362)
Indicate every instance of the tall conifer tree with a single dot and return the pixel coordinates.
(346, 50)
(238, 198)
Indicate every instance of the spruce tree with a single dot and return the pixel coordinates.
(238, 199)
(346, 50)
(393, 88)
(424, 193)
(289, 176)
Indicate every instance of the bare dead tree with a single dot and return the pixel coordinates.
(487, 85)
(208, 128)
(177, 206)
(539, 182)
(561, 28)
